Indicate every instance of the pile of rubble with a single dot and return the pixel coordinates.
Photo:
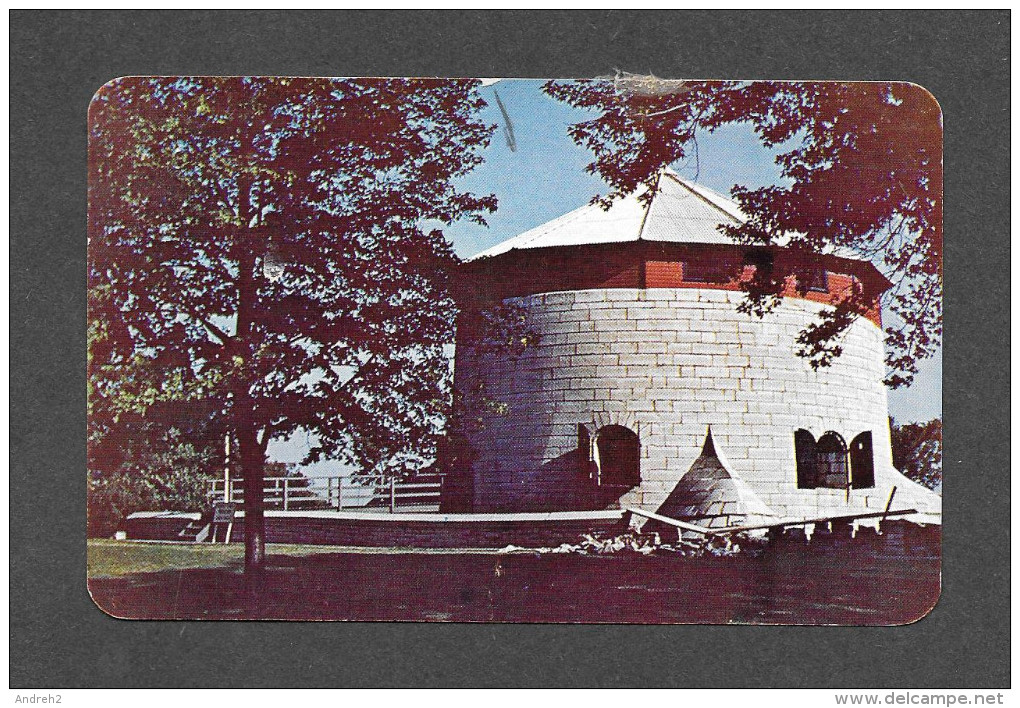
(650, 544)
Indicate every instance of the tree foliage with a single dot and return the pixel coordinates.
(917, 451)
(150, 474)
(275, 246)
(862, 172)
(150, 456)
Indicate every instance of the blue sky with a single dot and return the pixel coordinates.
(544, 178)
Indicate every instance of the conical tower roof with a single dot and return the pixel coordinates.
(712, 496)
(680, 212)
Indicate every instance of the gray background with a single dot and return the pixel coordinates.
(58, 638)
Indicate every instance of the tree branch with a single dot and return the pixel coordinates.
(213, 329)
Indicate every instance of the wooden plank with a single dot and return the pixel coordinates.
(666, 520)
(888, 504)
(804, 522)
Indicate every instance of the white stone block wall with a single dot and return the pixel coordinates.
(667, 363)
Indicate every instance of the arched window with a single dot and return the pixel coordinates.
(807, 462)
(862, 462)
(833, 471)
(619, 456)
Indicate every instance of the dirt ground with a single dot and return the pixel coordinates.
(133, 580)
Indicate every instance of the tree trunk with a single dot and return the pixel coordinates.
(252, 464)
(252, 457)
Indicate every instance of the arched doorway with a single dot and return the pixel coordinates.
(619, 456)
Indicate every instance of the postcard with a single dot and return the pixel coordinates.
(611, 350)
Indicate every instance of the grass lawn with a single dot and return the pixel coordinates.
(114, 559)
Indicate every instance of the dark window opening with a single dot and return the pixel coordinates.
(862, 462)
(824, 463)
(807, 469)
(815, 280)
(761, 258)
(833, 471)
(619, 456)
(712, 270)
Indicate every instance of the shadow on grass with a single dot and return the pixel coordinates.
(785, 587)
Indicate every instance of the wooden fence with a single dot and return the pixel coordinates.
(338, 492)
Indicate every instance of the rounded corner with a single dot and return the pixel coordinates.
(924, 614)
(99, 606)
(106, 88)
(914, 86)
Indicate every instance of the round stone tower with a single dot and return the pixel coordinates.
(648, 388)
